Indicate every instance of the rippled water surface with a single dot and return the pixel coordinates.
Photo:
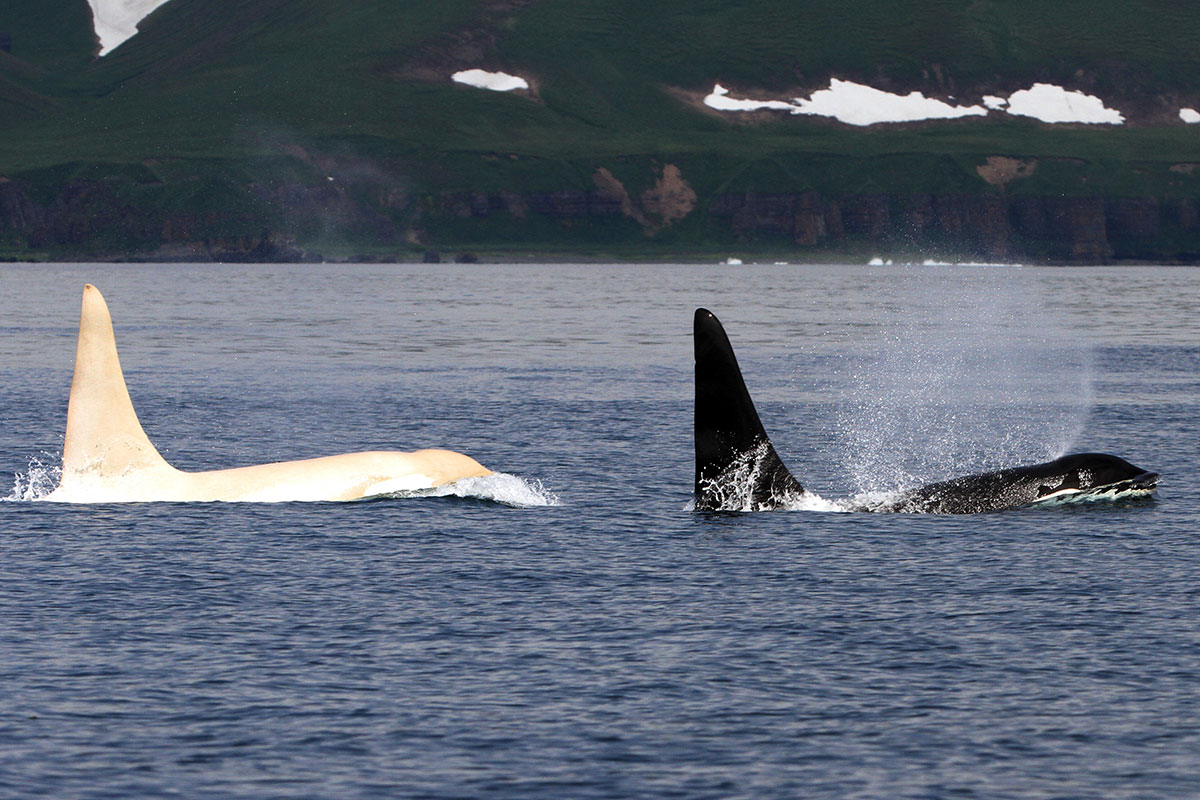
(589, 636)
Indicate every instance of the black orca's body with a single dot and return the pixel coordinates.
(737, 468)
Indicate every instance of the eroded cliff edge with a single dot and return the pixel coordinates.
(665, 214)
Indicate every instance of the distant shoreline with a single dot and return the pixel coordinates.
(485, 258)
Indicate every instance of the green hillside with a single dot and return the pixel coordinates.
(336, 128)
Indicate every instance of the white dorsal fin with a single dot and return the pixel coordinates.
(104, 438)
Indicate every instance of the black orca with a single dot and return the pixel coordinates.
(737, 468)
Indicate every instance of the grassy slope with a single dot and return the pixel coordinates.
(214, 92)
(782, 45)
(52, 35)
(48, 38)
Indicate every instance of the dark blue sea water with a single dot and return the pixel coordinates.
(589, 636)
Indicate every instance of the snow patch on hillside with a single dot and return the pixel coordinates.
(852, 103)
(116, 21)
(720, 100)
(495, 81)
(856, 104)
(1051, 103)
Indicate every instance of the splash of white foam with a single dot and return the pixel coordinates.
(494, 81)
(970, 375)
(1050, 103)
(499, 487)
(808, 501)
(116, 21)
(734, 488)
(874, 500)
(805, 501)
(39, 480)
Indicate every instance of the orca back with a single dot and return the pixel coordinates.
(1078, 476)
(737, 467)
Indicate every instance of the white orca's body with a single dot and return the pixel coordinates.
(107, 457)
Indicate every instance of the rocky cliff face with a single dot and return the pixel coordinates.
(98, 220)
(991, 226)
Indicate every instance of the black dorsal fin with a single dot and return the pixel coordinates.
(737, 467)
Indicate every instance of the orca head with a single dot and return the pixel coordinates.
(1094, 475)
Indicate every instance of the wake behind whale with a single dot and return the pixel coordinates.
(738, 469)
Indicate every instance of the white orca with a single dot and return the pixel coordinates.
(737, 468)
(107, 457)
